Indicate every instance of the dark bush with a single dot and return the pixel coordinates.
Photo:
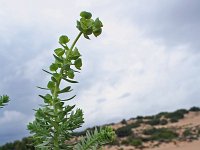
(134, 125)
(149, 117)
(154, 121)
(160, 134)
(123, 121)
(177, 115)
(139, 117)
(125, 142)
(136, 142)
(123, 131)
(161, 114)
(187, 133)
(194, 109)
(163, 122)
(173, 120)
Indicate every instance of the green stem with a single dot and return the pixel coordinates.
(55, 95)
(73, 44)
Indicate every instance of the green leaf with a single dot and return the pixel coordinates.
(51, 85)
(78, 25)
(63, 39)
(97, 32)
(70, 74)
(67, 89)
(75, 54)
(86, 15)
(98, 23)
(59, 51)
(53, 79)
(86, 36)
(69, 98)
(47, 71)
(42, 88)
(66, 67)
(4, 100)
(58, 58)
(47, 98)
(53, 67)
(78, 63)
(70, 81)
(57, 76)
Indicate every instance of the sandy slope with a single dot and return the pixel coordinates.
(191, 120)
(195, 145)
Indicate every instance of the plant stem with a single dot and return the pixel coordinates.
(55, 96)
(73, 44)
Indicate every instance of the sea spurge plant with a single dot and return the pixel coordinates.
(55, 121)
(4, 100)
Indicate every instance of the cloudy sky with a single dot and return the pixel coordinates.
(145, 61)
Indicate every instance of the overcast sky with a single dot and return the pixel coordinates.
(145, 61)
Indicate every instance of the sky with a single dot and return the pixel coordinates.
(145, 61)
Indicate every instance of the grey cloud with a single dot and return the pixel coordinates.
(175, 22)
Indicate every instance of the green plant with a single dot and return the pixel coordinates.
(187, 133)
(55, 122)
(124, 131)
(159, 134)
(4, 100)
(136, 142)
(194, 109)
(163, 122)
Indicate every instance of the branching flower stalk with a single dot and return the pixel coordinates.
(55, 122)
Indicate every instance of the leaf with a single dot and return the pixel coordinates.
(67, 89)
(86, 15)
(57, 76)
(53, 67)
(47, 72)
(70, 74)
(42, 88)
(78, 25)
(69, 98)
(66, 67)
(69, 108)
(75, 54)
(98, 23)
(53, 79)
(63, 39)
(86, 36)
(3, 100)
(70, 81)
(78, 63)
(51, 85)
(59, 51)
(58, 58)
(97, 32)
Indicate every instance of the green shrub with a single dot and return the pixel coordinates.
(173, 120)
(123, 131)
(177, 115)
(123, 121)
(139, 117)
(161, 114)
(187, 133)
(160, 134)
(194, 109)
(163, 122)
(134, 125)
(125, 142)
(153, 121)
(136, 142)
